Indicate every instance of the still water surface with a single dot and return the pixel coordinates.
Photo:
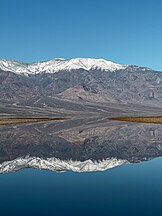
(133, 188)
(127, 190)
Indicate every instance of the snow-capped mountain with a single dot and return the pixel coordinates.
(58, 165)
(80, 144)
(79, 80)
(59, 64)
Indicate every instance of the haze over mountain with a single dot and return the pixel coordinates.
(72, 84)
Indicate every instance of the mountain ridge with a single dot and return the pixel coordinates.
(58, 64)
(73, 85)
(55, 164)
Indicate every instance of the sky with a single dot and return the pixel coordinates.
(122, 31)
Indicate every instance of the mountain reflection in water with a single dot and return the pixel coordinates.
(82, 145)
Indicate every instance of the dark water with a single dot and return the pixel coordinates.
(127, 190)
(134, 188)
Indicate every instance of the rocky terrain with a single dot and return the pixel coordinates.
(85, 145)
(77, 83)
(87, 91)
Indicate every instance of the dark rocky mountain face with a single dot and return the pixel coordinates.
(87, 139)
(130, 85)
(77, 141)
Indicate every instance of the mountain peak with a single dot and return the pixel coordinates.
(55, 164)
(58, 64)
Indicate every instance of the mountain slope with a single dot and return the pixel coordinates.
(55, 164)
(78, 81)
(80, 145)
(56, 65)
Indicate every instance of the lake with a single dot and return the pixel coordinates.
(81, 167)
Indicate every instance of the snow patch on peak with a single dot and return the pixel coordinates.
(90, 63)
(55, 164)
(56, 59)
(58, 64)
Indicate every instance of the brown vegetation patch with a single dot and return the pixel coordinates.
(141, 119)
(27, 120)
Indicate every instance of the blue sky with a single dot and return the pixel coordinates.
(124, 31)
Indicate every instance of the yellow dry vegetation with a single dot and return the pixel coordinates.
(26, 120)
(142, 119)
